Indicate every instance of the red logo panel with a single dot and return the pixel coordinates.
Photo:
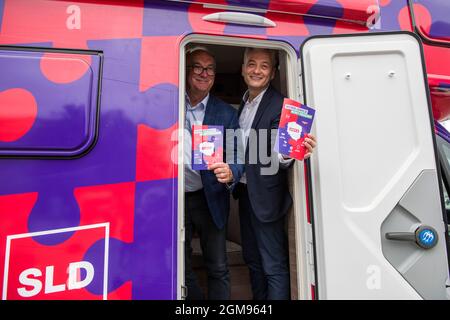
(35, 271)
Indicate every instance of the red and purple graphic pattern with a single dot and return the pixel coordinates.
(128, 179)
(432, 18)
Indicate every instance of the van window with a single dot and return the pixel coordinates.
(49, 101)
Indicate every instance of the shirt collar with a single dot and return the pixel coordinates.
(256, 100)
(201, 105)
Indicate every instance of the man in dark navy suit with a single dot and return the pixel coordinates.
(207, 192)
(263, 191)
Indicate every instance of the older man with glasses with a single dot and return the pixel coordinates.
(207, 192)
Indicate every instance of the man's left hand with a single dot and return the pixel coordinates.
(310, 143)
(222, 171)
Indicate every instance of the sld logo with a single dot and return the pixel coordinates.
(69, 263)
(31, 279)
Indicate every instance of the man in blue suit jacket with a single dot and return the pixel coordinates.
(264, 197)
(207, 195)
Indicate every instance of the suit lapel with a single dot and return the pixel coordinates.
(210, 114)
(265, 101)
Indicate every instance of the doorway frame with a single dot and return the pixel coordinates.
(304, 266)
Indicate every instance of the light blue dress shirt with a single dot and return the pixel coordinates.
(193, 115)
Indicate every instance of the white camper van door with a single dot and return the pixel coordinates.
(378, 220)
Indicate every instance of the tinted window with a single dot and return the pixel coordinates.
(48, 101)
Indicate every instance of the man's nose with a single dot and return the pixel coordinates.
(257, 69)
(204, 73)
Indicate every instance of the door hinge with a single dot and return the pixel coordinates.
(184, 290)
(310, 255)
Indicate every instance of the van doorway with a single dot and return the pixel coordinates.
(230, 87)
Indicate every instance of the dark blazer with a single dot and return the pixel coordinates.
(218, 194)
(269, 194)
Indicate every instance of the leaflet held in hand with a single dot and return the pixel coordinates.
(295, 122)
(207, 146)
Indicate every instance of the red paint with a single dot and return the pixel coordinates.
(156, 152)
(292, 6)
(18, 111)
(343, 27)
(361, 10)
(195, 14)
(122, 293)
(26, 253)
(437, 60)
(14, 212)
(404, 19)
(69, 25)
(159, 61)
(113, 203)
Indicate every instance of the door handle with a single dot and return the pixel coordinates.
(401, 236)
(425, 237)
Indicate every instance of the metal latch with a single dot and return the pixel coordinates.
(425, 237)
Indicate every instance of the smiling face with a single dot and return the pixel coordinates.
(198, 85)
(258, 70)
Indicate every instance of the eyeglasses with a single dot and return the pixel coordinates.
(210, 71)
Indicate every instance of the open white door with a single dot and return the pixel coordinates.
(378, 217)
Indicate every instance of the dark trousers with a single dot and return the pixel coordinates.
(212, 241)
(264, 247)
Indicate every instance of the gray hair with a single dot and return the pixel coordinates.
(273, 54)
(192, 50)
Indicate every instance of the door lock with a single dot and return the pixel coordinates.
(425, 237)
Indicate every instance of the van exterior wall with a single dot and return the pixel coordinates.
(128, 179)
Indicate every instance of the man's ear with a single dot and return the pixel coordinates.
(274, 71)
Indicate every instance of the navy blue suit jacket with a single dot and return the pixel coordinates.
(218, 194)
(269, 194)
